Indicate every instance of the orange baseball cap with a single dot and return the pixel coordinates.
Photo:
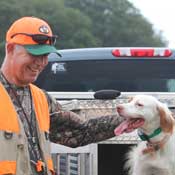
(34, 34)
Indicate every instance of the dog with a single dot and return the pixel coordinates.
(155, 154)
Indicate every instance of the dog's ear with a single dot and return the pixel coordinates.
(130, 99)
(166, 119)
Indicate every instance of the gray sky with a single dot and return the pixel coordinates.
(161, 13)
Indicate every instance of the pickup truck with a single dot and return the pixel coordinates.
(74, 78)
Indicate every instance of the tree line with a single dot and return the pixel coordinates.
(85, 23)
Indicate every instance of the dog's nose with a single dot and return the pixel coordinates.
(119, 108)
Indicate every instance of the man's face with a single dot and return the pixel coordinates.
(25, 67)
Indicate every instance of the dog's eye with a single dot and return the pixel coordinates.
(139, 104)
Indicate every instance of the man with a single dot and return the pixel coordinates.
(29, 116)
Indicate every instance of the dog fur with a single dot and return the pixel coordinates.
(155, 156)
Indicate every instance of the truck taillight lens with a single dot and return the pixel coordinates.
(159, 52)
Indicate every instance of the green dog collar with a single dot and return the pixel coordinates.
(147, 137)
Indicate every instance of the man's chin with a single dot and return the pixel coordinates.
(32, 77)
(28, 81)
(32, 80)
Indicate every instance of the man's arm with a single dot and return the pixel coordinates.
(69, 129)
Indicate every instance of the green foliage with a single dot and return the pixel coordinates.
(118, 23)
(71, 26)
(84, 23)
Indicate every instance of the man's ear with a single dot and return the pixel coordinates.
(10, 47)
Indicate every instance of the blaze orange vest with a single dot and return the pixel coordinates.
(9, 122)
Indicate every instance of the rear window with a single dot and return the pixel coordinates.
(126, 75)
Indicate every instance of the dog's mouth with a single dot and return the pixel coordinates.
(129, 125)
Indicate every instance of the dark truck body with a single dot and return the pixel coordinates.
(74, 78)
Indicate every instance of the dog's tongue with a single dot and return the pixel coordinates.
(121, 128)
(128, 126)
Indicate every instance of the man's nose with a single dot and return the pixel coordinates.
(41, 60)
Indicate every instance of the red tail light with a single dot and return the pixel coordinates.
(142, 53)
(159, 52)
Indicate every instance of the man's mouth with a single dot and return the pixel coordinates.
(129, 125)
(34, 70)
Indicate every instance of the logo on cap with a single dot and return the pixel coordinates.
(44, 29)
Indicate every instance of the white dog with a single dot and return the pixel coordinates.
(155, 155)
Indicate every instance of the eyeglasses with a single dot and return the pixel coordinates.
(40, 38)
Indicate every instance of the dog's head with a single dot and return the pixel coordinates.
(146, 112)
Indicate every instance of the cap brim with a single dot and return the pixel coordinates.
(41, 49)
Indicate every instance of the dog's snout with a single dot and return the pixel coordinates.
(119, 108)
